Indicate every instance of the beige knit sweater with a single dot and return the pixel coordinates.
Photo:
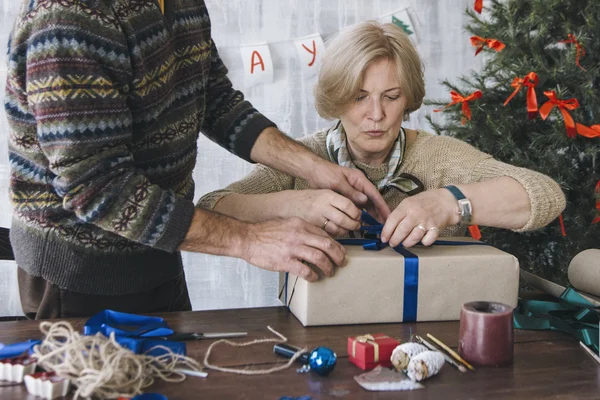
(435, 160)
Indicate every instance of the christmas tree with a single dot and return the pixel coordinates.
(400, 24)
(558, 41)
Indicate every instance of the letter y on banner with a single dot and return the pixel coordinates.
(258, 65)
(310, 50)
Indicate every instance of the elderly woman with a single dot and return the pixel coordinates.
(371, 79)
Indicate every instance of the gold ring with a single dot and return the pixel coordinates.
(325, 224)
(434, 228)
(421, 227)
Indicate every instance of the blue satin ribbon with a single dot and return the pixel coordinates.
(17, 349)
(134, 332)
(411, 261)
(124, 324)
(150, 396)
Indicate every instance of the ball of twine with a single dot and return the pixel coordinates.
(100, 367)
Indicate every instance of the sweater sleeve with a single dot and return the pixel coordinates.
(462, 163)
(545, 196)
(229, 120)
(77, 74)
(261, 180)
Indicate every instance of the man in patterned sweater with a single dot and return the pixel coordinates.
(105, 100)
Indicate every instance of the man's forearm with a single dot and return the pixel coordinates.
(278, 151)
(213, 233)
(256, 207)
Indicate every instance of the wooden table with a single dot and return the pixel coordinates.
(547, 364)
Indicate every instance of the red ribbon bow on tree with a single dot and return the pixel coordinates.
(458, 98)
(580, 49)
(479, 42)
(597, 219)
(563, 106)
(588, 131)
(530, 80)
(478, 6)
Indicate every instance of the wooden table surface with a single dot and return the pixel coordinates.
(548, 365)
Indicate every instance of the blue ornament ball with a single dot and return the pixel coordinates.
(322, 360)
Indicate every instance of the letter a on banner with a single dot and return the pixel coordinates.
(258, 65)
(310, 49)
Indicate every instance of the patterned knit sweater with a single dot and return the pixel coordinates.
(105, 100)
(436, 161)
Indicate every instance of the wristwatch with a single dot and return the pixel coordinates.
(465, 210)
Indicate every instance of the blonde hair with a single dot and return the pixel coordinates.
(348, 56)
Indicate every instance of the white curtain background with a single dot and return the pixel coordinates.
(221, 282)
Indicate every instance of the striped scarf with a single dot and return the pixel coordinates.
(337, 148)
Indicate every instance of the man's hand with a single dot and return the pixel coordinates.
(323, 208)
(351, 183)
(283, 245)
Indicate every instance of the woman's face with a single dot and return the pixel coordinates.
(373, 121)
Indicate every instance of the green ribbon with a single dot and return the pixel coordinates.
(571, 313)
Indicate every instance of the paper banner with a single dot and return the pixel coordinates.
(402, 20)
(310, 50)
(258, 64)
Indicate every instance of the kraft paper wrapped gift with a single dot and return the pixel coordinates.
(425, 284)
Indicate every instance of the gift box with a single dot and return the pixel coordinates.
(369, 351)
(402, 285)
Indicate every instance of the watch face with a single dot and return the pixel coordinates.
(464, 206)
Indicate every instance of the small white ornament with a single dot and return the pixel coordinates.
(403, 353)
(425, 365)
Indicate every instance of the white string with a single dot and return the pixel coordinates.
(247, 371)
(99, 366)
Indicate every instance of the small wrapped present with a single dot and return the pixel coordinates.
(369, 351)
(14, 369)
(47, 385)
(381, 285)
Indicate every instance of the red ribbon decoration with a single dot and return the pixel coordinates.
(530, 80)
(562, 225)
(563, 106)
(458, 98)
(479, 42)
(580, 49)
(597, 219)
(478, 6)
(475, 232)
(588, 131)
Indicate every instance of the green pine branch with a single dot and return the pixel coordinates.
(532, 31)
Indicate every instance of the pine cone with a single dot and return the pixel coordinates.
(403, 353)
(425, 365)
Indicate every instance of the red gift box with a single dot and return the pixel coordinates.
(369, 351)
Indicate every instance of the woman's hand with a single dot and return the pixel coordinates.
(421, 218)
(325, 209)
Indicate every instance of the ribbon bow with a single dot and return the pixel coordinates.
(478, 6)
(597, 219)
(370, 339)
(571, 314)
(563, 106)
(458, 98)
(530, 80)
(479, 42)
(588, 131)
(578, 46)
